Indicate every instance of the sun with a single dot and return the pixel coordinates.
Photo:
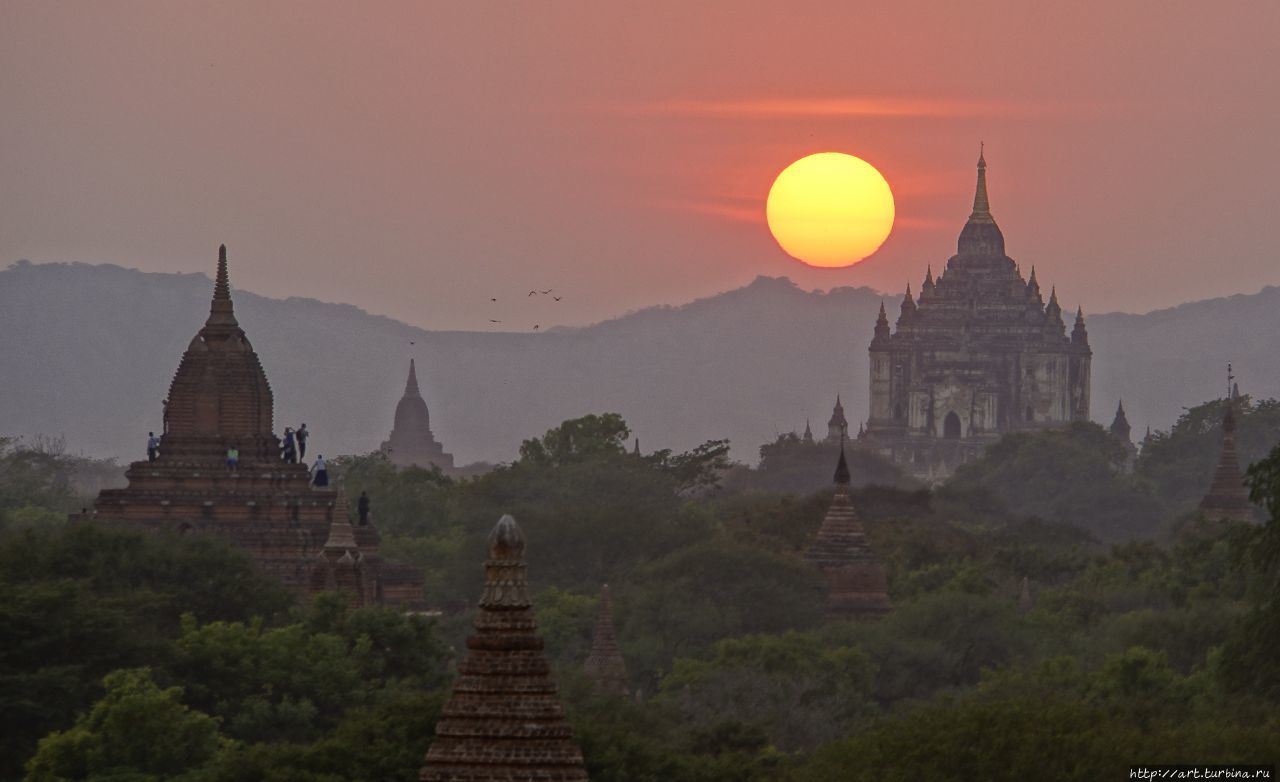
(830, 209)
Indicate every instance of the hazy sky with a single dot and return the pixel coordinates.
(417, 159)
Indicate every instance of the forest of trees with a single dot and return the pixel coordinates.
(1151, 636)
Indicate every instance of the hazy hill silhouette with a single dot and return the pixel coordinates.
(88, 352)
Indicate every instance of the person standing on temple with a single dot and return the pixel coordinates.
(362, 509)
(233, 459)
(153, 446)
(319, 473)
(290, 451)
(302, 435)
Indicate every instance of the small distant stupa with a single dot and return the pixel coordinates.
(837, 425)
(340, 566)
(412, 443)
(1121, 430)
(605, 663)
(857, 584)
(504, 721)
(1228, 498)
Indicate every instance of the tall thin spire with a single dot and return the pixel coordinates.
(981, 204)
(221, 312)
(842, 471)
(411, 385)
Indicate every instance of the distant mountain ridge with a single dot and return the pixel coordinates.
(88, 351)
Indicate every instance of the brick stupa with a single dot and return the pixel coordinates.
(857, 586)
(412, 443)
(605, 664)
(220, 398)
(1228, 498)
(504, 721)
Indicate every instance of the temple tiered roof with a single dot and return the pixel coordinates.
(605, 663)
(504, 721)
(857, 584)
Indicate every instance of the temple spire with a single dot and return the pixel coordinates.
(411, 385)
(221, 312)
(981, 204)
(842, 471)
(1228, 498)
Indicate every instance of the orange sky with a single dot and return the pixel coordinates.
(416, 159)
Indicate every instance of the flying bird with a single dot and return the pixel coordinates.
(492, 299)
(531, 293)
(535, 327)
(411, 342)
(557, 298)
(548, 290)
(491, 320)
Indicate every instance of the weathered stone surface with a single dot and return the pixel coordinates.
(411, 443)
(605, 663)
(857, 586)
(504, 721)
(977, 355)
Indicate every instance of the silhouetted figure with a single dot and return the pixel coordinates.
(153, 446)
(319, 472)
(233, 459)
(302, 435)
(362, 509)
(289, 451)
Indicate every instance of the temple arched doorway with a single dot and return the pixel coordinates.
(951, 426)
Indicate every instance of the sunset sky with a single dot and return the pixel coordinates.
(416, 159)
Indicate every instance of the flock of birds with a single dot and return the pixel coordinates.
(547, 292)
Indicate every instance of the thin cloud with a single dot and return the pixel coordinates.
(761, 108)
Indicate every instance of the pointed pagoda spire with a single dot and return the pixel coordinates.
(636, 450)
(857, 586)
(981, 204)
(882, 324)
(504, 720)
(1120, 424)
(411, 385)
(1079, 334)
(842, 477)
(928, 285)
(981, 236)
(605, 664)
(1053, 311)
(837, 425)
(908, 306)
(808, 432)
(221, 313)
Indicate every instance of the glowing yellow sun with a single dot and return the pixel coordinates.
(830, 209)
